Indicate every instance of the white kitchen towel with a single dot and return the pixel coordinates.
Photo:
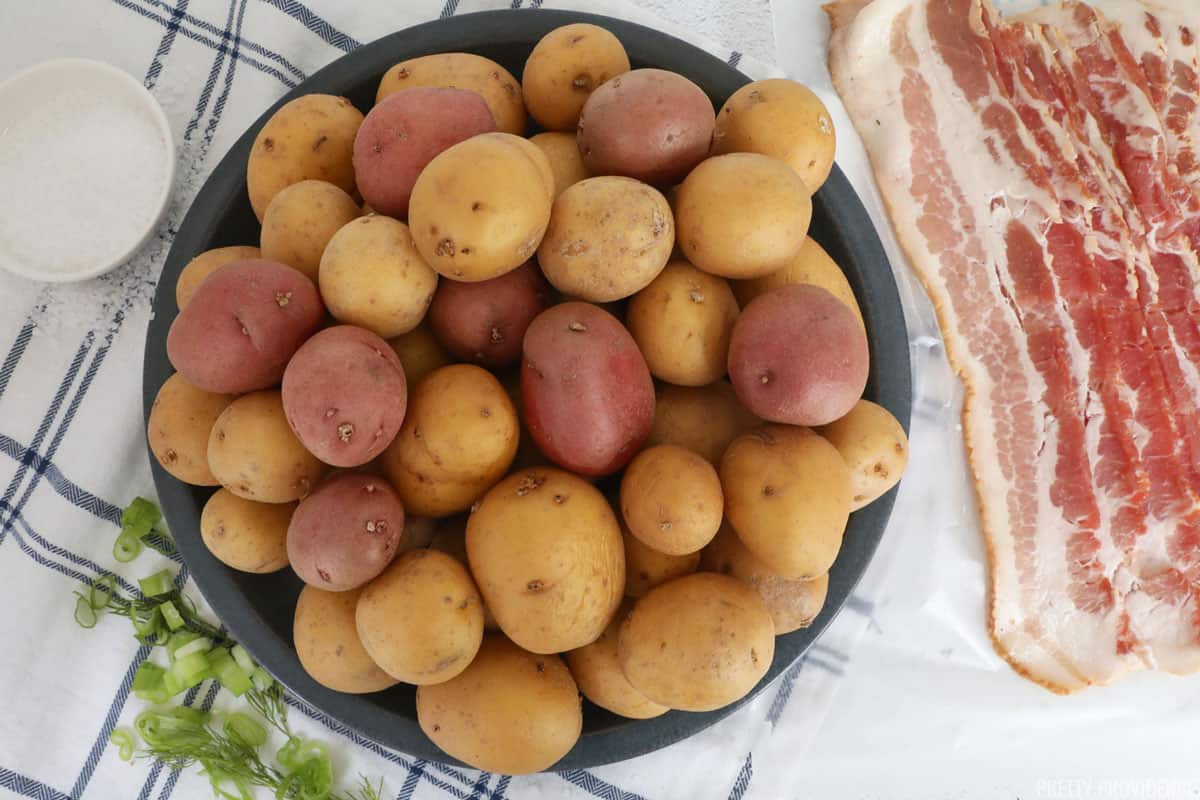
(72, 446)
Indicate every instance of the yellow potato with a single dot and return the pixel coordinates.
(204, 265)
(566, 164)
(299, 222)
(421, 620)
(244, 534)
(253, 453)
(510, 712)
(697, 643)
(782, 119)
(328, 646)
(499, 89)
(703, 419)
(563, 69)
(811, 265)
(608, 238)
(646, 567)
(459, 437)
(309, 137)
(597, 671)
(742, 215)
(874, 447)
(539, 159)
(787, 494)
(682, 322)
(546, 551)
(671, 499)
(181, 420)
(419, 353)
(372, 276)
(479, 209)
(793, 602)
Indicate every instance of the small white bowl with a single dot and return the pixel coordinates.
(87, 163)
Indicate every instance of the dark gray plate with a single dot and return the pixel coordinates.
(258, 609)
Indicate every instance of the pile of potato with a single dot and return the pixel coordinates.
(591, 394)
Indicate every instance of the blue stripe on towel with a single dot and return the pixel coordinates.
(164, 44)
(28, 787)
(743, 779)
(316, 24)
(597, 787)
(14, 355)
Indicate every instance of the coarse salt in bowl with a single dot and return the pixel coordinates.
(87, 162)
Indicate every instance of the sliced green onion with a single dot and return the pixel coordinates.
(148, 676)
(219, 779)
(124, 742)
(85, 615)
(198, 645)
(231, 675)
(173, 684)
(171, 615)
(243, 658)
(246, 728)
(175, 727)
(190, 669)
(101, 592)
(262, 679)
(297, 752)
(139, 517)
(157, 584)
(178, 640)
(126, 548)
(148, 627)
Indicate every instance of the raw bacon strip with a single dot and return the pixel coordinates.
(1109, 234)
(945, 221)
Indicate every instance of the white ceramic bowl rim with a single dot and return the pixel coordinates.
(164, 128)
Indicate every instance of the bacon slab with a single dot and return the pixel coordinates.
(1041, 175)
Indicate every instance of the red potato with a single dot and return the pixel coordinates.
(242, 325)
(404, 132)
(345, 394)
(798, 355)
(587, 395)
(485, 322)
(648, 124)
(346, 532)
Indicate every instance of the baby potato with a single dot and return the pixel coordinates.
(597, 671)
(181, 420)
(648, 124)
(793, 602)
(328, 646)
(485, 322)
(206, 264)
(244, 534)
(545, 549)
(253, 453)
(459, 437)
(496, 85)
(242, 325)
(782, 119)
(372, 276)
(562, 153)
(301, 219)
(563, 69)
(646, 567)
(742, 215)
(608, 238)
(873, 445)
(787, 495)
(419, 352)
(798, 356)
(704, 419)
(587, 397)
(403, 133)
(697, 643)
(479, 209)
(309, 137)
(682, 322)
(344, 394)
(811, 265)
(346, 532)
(510, 711)
(671, 499)
(421, 620)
